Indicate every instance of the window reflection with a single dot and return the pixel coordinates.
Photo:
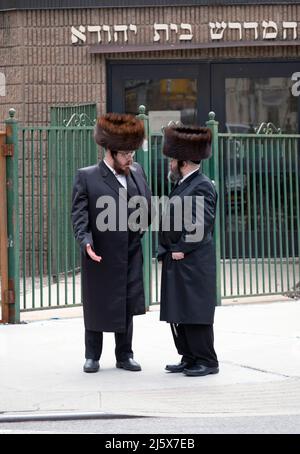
(166, 99)
(251, 101)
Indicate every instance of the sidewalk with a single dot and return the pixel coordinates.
(258, 347)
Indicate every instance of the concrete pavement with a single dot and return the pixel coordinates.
(258, 346)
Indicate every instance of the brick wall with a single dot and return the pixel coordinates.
(43, 68)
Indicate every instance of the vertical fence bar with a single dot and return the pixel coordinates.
(41, 220)
(214, 126)
(291, 200)
(49, 211)
(32, 217)
(266, 159)
(236, 215)
(73, 238)
(143, 154)
(274, 217)
(222, 208)
(249, 213)
(228, 153)
(261, 213)
(13, 221)
(255, 212)
(156, 233)
(3, 234)
(297, 181)
(66, 210)
(242, 153)
(279, 210)
(24, 226)
(57, 208)
(285, 202)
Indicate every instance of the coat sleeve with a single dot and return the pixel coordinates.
(80, 212)
(206, 222)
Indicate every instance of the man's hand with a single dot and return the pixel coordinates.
(177, 255)
(92, 254)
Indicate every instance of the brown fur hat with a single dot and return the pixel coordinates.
(119, 132)
(187, 143)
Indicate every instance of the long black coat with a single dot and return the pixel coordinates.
(188, 286)
(114, 287)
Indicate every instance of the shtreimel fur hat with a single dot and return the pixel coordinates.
(187, 143)
(119, 132)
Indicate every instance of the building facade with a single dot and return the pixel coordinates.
(181, 59)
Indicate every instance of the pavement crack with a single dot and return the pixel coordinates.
(257, 369)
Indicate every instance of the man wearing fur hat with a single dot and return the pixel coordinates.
(188, 286)
(112, 263)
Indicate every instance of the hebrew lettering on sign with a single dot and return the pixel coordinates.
(269, 28)
(273, 29)
(78, 34)
(187, 36)
(120, 28)
(251, 25)
(173, 27)
(217, 29)
(289, 25)
(95, 29)
(106, 28)
(158, 28)
(236, 26)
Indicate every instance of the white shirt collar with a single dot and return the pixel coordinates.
(119, 177)
(188, 174)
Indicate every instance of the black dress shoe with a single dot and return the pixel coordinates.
(91, 365)
(199, 370)
(129, 364)
(177, 367)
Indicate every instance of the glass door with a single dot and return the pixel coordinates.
(170, 91)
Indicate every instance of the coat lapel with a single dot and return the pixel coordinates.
(181, 187)
(138, 180)
(109, 178)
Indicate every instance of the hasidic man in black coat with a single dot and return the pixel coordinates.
(188, 287)
(112, 263)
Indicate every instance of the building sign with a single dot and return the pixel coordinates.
(264, 30)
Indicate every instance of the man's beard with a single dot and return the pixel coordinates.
(119, 169)
(174, 175)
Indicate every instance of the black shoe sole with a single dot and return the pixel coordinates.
(174, 371)
(190, 373)
(119, 366)
(90, 371)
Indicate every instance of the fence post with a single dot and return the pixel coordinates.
(213, 171)
(3, 233)
(144, 158)
(13, 223)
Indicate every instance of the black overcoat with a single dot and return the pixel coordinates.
(114, 287)
(188, 286)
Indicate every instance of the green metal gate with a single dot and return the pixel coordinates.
(49, 255)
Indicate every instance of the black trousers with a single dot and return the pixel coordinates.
(195, 343)
(123, 350)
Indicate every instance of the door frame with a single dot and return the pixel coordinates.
(119, 71)
(245, 68)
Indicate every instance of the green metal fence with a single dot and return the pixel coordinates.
(257, 232)
(50, 257)
(259, 213)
